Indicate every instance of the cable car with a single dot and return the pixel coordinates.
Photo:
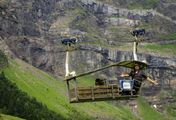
(119, 90)
(102, 90)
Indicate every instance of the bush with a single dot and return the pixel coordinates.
(3, 60)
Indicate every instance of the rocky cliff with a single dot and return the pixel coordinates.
(32, 31)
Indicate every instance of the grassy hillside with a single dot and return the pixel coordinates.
(52, 92)
(17, 103)
(145, 4)
(167, 50)
(8, 117)
(147, 112)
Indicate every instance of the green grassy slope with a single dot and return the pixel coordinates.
(162, 50)
(147, 112)
(8, 117)
(52, 92)
(165, 50)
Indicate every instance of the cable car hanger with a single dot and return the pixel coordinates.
(124, 89)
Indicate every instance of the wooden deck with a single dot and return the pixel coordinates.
(98, 93)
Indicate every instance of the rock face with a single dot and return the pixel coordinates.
(37, 17)
(159, 67)
(32, 31)
(88, 57)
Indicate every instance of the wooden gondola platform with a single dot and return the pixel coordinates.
(98, 93)
(119, 90)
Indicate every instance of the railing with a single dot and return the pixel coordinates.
(98, 93)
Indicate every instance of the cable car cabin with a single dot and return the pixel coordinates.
(104, 89)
